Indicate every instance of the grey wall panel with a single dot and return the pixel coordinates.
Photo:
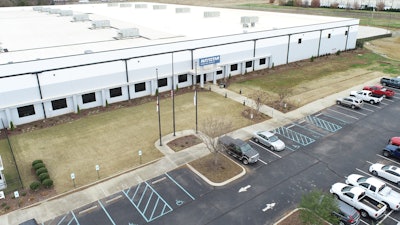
(306, 49)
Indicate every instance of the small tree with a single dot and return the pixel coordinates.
(210, 129)
(380, 6)
(318, 205)
(260, 98)
(283, 94)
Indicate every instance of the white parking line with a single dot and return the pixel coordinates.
(395, 97)
(384, 218)
(352, 110)
(374, 105)
(390, 99)
(262, 161)
(364, 222)
(394, 219)
(363, 108)
(266, 149)
(383, 103)
(381, 156)
(342, 114)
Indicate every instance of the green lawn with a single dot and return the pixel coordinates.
(112, 139)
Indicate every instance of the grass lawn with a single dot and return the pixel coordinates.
(112, 139)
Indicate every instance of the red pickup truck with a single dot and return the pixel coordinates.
(378, 91)
(394, 141)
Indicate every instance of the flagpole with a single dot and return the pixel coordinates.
(158, 108)
(173, 94)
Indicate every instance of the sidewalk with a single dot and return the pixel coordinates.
(59, 205)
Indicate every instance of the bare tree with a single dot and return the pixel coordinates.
(283, 94)
(380, 6)
(210, 130)
(315, 3)
(260, 98)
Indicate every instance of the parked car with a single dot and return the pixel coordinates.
(239, 149)
(352, 102)
(380, 91)
(391, 151)
(394, 141)
(356, 197)
(366, 96)
(376, 189)
(269, 139)
(392, 82)
(389, 172)
(347, 215)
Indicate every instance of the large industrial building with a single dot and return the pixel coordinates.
(56, 60)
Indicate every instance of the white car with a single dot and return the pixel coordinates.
(269, 139)
(389, 172)
(376, 189)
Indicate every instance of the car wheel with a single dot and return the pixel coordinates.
(363, 213)
(384, 96)
(386, 153)
(341, 223)
(272, 148)
(371, 102)
(384, 84)
(374, 173)
(338, 102)
(256, 140)
(353, 106)
(245, 161)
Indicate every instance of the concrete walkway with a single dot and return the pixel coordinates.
(59, 205)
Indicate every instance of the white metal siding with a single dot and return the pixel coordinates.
(306, 49)
(18, 90)
(276, 46)
(336, 42)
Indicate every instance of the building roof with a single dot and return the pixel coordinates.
(31, 33)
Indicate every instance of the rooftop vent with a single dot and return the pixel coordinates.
(246, 20)
(37, 8)
(88, 51)
(211, 14)
(112, 4)
(124, 5)
(81, 17)
(55, 11)
(159, 6)
(127, 33)
(66, 13)
(182, 10)
(140, 6)
(97, 24)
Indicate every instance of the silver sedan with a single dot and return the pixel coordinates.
(269, 139)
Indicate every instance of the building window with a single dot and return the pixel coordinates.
(262, 61)
(59, 104)
(249, 64)
(219, 72)
(87, 98)
(234, 67)
(162, 82)
(299, 41)
(115, 92)
(182, 78)
(140, 87)
(346, 32)
(329, 35)
(26, 111)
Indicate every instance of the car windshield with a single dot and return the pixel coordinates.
(273, 138)
(246, 147)
(383, 89)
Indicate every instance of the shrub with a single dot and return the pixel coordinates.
(38, 166)
(34, 185)
(43, 176)
(23, 193)
(36, 162)
(47, 183)
(11, 125)
(312, 59)
(41, 170)
(3, 204)
(338, 52)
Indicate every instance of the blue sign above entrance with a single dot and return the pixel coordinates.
(209, 60)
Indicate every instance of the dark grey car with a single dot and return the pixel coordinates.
(347, 214)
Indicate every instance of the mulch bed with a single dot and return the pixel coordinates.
(184, 142)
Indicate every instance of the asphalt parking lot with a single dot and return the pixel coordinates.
(321, 149)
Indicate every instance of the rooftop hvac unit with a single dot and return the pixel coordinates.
(37, 8)
(128, 33)
(159, 6)
(81, 17)
(182, 10)
(124, 5)
(112, 4)
(211, 14)
(140, 6)
(44, 9)
(100, 24)
(66, 13)
(55, 11)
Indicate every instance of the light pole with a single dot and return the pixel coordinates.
(158, 107)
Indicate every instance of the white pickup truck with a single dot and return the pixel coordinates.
(356, 197)
(376, 189)
(366, 96)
